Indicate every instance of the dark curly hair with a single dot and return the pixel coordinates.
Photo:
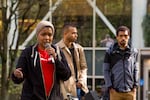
(123, 28)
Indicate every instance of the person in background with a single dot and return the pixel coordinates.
(76, 85)
(39, 68)
(107, 42)
(120, 67)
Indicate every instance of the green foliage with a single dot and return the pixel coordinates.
(146, 29)
(15, 89)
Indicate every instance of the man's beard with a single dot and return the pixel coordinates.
(123, 43)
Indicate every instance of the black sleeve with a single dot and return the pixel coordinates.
(21, 63)
(63, 71)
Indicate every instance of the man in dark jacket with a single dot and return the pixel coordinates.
(40, 68)
(120, 67)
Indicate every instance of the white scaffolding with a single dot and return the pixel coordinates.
(138, 13)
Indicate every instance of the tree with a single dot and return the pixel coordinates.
(18, 17)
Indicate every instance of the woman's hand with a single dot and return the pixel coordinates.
(18, 73)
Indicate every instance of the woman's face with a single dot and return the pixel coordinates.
(45, 36)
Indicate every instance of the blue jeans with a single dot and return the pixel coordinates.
(80, 93)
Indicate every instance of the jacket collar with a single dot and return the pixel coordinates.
(116, 47)
(63, 45)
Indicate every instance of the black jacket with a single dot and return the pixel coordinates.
(33, 86)
(121, 69)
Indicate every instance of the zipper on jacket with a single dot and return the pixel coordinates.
(52, 82)
(124, 70)
(36, 54)
(43, 78)
(47, 97)
(54, 64)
